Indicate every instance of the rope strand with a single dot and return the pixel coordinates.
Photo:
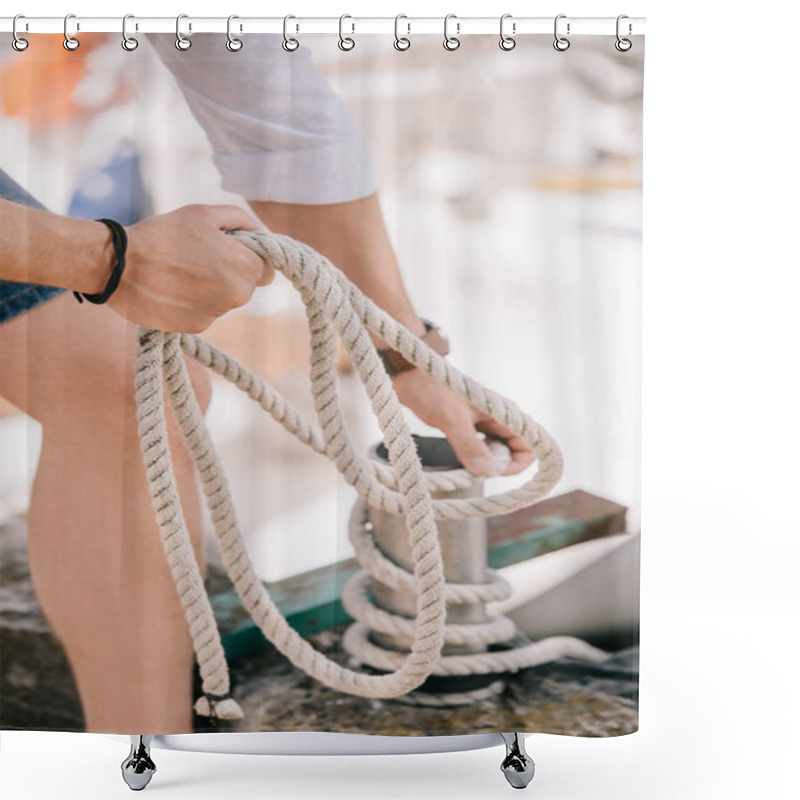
(334, 307)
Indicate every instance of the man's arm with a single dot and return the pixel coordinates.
(182, 271)
(39, 247)
(285, 141)
(277, 129)
(354, 237)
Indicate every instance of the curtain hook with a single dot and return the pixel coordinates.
(623, 45)
(451, 42)
(561, 43)
(233, 44)
(401, 42)
(70, 42)
(181, 42)
(345, 42)
(17, 42)
(289, 43)
(507, 42)
(129, 43)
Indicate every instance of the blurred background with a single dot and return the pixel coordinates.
(511, 188)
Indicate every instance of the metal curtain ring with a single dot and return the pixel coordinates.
(345, 42)
(233, 44)
(401, 42)
(128, 43)
(451, 42)
(561, 43)
(70, 42)
(507, 42)
(623, 45)
(289, 44)
(181, 42)
(17, 42)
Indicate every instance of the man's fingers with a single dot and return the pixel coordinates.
(470, 448)
(255, 268)
(267, 274)
(521, 454)
(232, 218)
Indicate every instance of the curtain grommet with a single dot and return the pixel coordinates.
(346, 43)
(181, 41)
(561, 43)
(233, 44)
(17, 42)
(289, 43)
(128, 43)
(451, 42)
(71, 43)
(623, 45)
(507, 42)
(401, 42)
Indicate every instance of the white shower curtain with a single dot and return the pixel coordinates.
(494, 194)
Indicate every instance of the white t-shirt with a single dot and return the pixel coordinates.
(278, 130)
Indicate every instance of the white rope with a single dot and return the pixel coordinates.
(497, 629)
(335, 307)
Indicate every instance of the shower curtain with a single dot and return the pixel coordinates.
(488, 200)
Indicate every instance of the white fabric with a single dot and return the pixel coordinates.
(278, 130)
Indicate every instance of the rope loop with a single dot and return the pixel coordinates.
(335, 308)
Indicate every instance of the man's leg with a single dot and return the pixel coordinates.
(95, 553)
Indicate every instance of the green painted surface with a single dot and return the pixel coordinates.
(311, 601)
(558, 533)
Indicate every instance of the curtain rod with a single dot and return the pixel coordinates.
(408, 26)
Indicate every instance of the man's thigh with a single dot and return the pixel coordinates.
(64, 362)
(67, 362)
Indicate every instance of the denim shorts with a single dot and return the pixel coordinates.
(16, 298)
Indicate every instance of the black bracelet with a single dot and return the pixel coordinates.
(120, 239)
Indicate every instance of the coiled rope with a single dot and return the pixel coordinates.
(496, 630)
(334, 307)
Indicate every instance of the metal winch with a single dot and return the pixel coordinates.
(464, 547)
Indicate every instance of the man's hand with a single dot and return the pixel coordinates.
(183, 271)
(353, 236)
(442, 408)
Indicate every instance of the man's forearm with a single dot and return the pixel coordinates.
(39, 247)
(353, 236)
